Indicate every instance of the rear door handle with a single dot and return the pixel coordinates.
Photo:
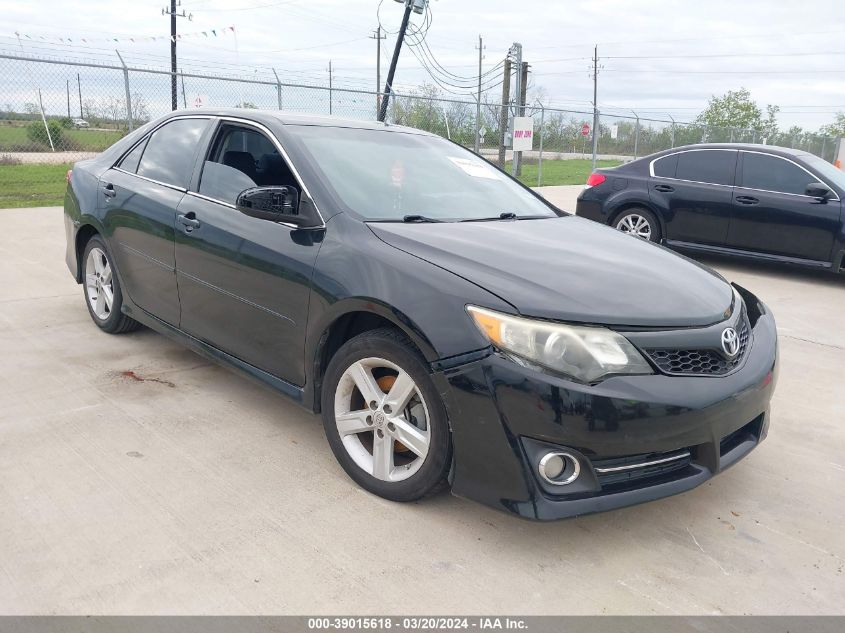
(664, 188)
(746, 200)
(108, 190)
(189, 221)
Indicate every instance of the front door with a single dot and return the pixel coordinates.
(772, 214)
(692, 190)
(244, 283)
(139, 197)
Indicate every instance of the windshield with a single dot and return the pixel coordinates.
(832, 174)
(391, 176)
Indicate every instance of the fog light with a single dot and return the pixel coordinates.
(559, 468)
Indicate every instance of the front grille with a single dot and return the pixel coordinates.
(701, 362)
(627, 470)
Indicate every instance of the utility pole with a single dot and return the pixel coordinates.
(79, 87)
(174, 103)
(417, 6)
(174, 93)
(378, 37)
(67, 82)
(516, 51)
(503, 116)
(478, 97)
(595, 104)
(330, 87)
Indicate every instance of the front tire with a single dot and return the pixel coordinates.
(384, 419)
(640, 223)
(102, 291)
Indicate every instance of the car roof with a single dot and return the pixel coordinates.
(295, 118)
(754, 147)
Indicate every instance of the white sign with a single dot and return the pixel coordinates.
(198, 101)
(839, 159)
(523, 133)
(614, 131)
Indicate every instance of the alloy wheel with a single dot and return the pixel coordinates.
(99, 286)
(382, 419)
(636, 225)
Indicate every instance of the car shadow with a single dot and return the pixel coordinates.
(785, 272)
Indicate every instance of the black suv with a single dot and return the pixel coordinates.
(749, 200)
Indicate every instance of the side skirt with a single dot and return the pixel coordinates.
(297, 394)
(733, 252)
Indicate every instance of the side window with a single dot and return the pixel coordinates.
(241, 158)
(665, 167)
(712, 166)
(169, 156)
(764, 171)
(130, 161)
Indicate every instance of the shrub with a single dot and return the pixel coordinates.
(66, 122)
(36, 133)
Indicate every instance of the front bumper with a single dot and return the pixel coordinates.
(505, 416)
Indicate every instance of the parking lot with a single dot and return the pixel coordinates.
(138, 478)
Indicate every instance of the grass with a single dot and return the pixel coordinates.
(13, 138)
(561, 172)
(32, 185)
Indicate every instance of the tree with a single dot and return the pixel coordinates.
(837, 128)
(736, 109)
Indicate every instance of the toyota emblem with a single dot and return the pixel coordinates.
(730, 342)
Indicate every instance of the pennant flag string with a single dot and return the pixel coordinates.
(133, 40)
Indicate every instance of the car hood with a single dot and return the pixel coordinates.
(570, 269)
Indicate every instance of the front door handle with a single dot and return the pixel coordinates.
(108, 190)
(746, 200)
(189, 221)
(664, 188)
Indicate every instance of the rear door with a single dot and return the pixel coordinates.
(772, 214)
(139, 197)
(692, 190)
(244, 283)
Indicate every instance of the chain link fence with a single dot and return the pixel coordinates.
(56, 111)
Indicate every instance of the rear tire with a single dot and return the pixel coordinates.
(102, 291)
(638, 222)
(384, 418)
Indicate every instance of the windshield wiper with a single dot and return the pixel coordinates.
(507, 215)
(412, 219)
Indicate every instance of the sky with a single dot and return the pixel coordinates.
(656, 57)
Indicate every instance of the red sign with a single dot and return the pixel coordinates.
(585, 129)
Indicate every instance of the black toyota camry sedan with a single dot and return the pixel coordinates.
(451, 326)
(753, 201)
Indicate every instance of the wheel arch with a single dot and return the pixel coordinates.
(83, 235)
(348, 319)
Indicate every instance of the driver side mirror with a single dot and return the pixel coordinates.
(277, 204)
(818, 191)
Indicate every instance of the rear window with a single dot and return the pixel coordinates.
(710, 166)
(665, 167)
(169, 155)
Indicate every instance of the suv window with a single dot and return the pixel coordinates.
(665, 167)
(169, 156)
(764, 171)
(711, 166)
(241, 158)
(130, 161)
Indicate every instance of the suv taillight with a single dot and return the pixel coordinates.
(68, 175)
(595, 179)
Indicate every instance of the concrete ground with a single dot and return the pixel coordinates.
(137, 478)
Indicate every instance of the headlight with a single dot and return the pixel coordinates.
(584, 353)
